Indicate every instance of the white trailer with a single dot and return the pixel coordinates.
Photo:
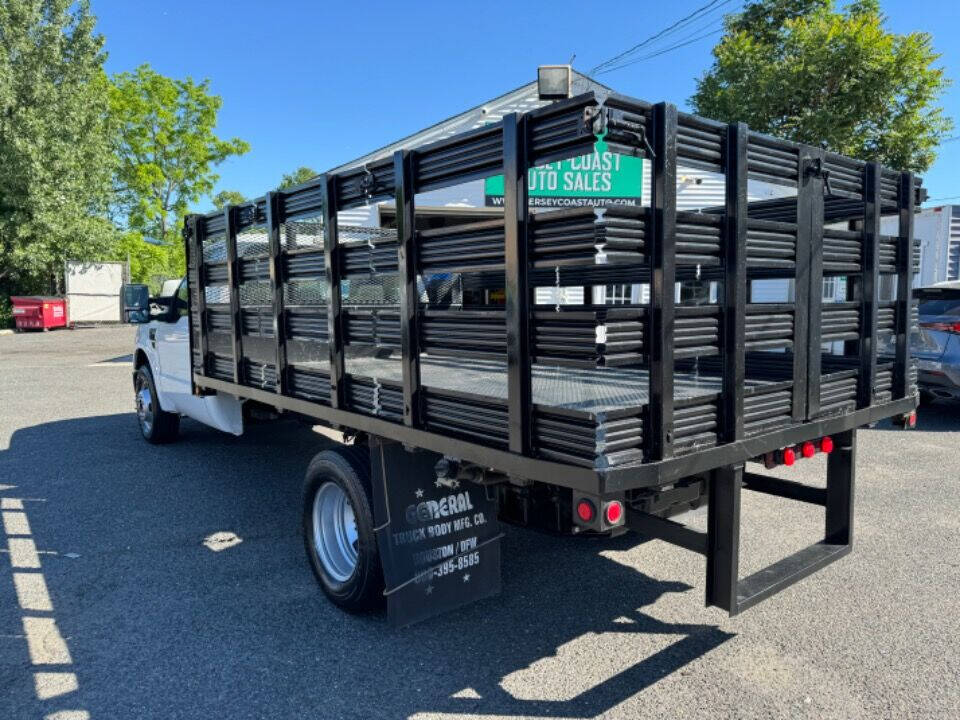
(93, 291)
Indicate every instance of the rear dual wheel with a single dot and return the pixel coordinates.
(338, 529)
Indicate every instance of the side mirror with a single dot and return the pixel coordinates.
(135, 303)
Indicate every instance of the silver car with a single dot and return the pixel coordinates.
(937, 345)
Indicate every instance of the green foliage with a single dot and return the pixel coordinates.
(228, 197)
(764, 20)
(802, 70)
(149, 262)
(300, 175)
(6, 313)
(166, 150)
(55, 153)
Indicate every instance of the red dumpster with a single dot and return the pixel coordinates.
(39, 313)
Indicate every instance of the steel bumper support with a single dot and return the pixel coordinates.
(721, 543)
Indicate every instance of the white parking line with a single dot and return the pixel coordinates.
(23, 553)
(44, 642)
(32, 592)
(16, 523)
(53, 684)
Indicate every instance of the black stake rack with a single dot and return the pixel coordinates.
(598, 398)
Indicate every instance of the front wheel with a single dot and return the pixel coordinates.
(156, 424)
(338, 529)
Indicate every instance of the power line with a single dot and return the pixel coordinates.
(948, 197)
(671, 48)
(666, 35)
(698, 14)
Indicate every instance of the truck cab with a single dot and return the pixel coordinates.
(161, 370)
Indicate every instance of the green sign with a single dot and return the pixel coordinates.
(600, 179)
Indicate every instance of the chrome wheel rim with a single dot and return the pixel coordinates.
(335, 536)
(144, 405)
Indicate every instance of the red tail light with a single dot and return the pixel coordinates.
(789, 456)
(585, 511)
(614, 512)
(912, 419)
(808, 449)
(826, 445)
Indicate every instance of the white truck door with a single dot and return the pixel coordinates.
(220, 411)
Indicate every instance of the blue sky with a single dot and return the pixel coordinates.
(320, 83)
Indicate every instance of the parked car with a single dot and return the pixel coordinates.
(937, 345)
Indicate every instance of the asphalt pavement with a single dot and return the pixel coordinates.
(112, 605)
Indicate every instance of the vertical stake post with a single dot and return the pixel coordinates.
(808, 294)
(272, 207)
(198, 295)
(663, 269)
(331, 261)
(905, 302)
(869, 285)
(517, 309)
(409, 295)
(735, 282)
(233, 281)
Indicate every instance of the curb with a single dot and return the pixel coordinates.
(6, 332)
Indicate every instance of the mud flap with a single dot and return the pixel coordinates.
(439, 541)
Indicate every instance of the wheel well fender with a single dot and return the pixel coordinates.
(139, 360)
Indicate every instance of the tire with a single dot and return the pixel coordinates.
(351, 580)
(156, 424)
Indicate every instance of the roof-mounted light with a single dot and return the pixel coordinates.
(554, 82)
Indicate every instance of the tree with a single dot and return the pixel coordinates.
(300, 175)
(55, 154)
(227, 197)
(149, 262)
(800, 69)
(166, 150)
